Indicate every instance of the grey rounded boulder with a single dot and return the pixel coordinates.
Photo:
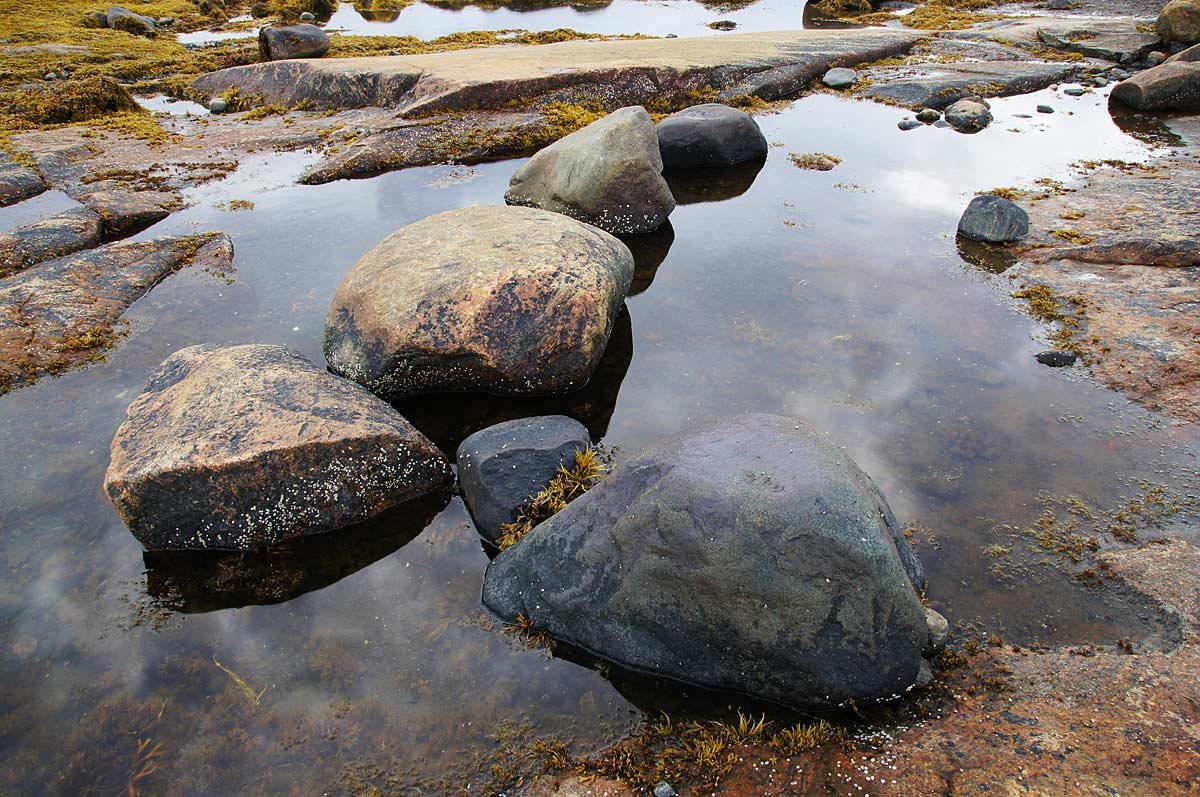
(840, 78)
(1173, 86)
(749, 555)
(507, 300)
(292, 41)
(968, 116)
(709, 135)
(241, 447)
(994, 220)
(608, 174)
(501, 467)
(123, 19)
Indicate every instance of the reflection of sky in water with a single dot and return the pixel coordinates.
(836, 297)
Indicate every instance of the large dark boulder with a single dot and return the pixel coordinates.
(749, 555)
(709, 135)
(608, 174)
(501, 467)
(505, 300)
(292, 41)
(993, 219)
(242, 447)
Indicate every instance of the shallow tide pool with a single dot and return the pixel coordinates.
(837, 297)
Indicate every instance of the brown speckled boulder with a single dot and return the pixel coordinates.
(507, 300)
(608, 174)
(244, 446)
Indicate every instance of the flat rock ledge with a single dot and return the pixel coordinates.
(64, 313)
(242, 447)
(766, 65)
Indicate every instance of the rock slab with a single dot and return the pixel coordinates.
(749, 555)
(501, 467)
(608, 174)
(506, 300)
(240, 447)
(709, 135)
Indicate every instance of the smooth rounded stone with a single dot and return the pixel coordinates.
(968, 116)
(1045, 109)
(840, 78)
(608, 174)
(993, 219)
(308, 16)
(240, 447)
(1155, 58)
(166, 22)
(1074, 91)
(123, 19)
(748, 555)
(1099, 82)
(664, 789)
(1179, 21)
(908, 124)
(928, 115)
(217, 105)
(1173, 86)
(507, 300)
(501, 467)
(723, 24)
(1056, 359)
(292, 41)
(939, 630)
(709, 135)
(50, 76)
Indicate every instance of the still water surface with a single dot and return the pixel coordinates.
(836, 297)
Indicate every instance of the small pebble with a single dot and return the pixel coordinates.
(908, 124)
(217, 105)
(929, 115)
(1155, 58)
(1074, 91)
(307, 16)
(51, 76)
(1045, 109)
(840, 78)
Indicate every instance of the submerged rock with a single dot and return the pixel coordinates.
(505, 300)
(968, 116)
(55, 236)
(62, 314)
(608, 174)
(240, 447)
(749, 555)
(1179, 21)
(501, 467)
(709, 135)
(993, 219)
(292, 41)
(1173, 86)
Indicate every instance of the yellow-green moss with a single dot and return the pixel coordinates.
(567, 485)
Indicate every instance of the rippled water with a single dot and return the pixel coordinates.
(835, 297)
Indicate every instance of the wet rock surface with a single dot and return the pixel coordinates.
(18, 183)
(609, 174)
(48, 238)
(292, 41)
(709, 135)
(1118, 40)
(242, 447)
(748, 555)
(1132, 257)
(993, 219)
(506, 300)
(62, 313)
(501, 467)
(124, 213)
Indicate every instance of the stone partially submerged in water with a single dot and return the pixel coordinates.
(608, 174)
(749, 555)
(508, 300)
(709, 135)
(993, 219)
(241, 447)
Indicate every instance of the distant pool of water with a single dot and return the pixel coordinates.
(837, 297)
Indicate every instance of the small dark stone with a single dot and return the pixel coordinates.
(1045, 109)
(968, 116)
(501, 467)
(1074, 91)
(723, 24)
(929, 115)
(1057, 359)
(908, 124)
